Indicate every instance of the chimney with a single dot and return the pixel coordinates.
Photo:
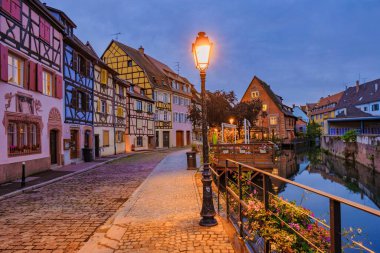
(141, 49)
(357, 86)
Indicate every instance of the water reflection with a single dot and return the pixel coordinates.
(333, 175)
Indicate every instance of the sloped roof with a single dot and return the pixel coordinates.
(362, 94)
(276, 98)
(353, 112)
(325, 101)
(155, 75)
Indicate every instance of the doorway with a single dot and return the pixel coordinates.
(166, 138)
(157, 139)
(53, 147)
(74, 144)
(97, 145)
(179, 138)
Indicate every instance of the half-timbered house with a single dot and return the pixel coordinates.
(140, 127)
(78, 73)
(121, 112)
(30, 87)
(170, 91)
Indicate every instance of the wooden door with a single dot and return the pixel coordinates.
(74, 144)
(53, 147)
(166, 139)
(179, 138)
(157, 139)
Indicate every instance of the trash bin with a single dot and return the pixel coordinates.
(87, 154)
(191, 160)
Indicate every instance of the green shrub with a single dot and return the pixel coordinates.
(350, 136)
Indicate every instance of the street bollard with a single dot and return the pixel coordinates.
(23, 175)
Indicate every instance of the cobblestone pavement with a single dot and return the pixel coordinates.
(62, 216)
(161, 216)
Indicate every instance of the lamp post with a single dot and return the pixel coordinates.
(201, 50)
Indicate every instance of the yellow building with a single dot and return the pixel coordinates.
(325, 109)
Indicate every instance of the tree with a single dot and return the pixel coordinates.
(313, 130)
(246, 110)
(195, 114)
(219, 107)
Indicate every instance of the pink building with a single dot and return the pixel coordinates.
(30, 88)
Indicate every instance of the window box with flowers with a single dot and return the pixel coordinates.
(23, 138)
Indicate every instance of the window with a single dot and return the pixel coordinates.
(255, 94)
(139, 105)
(79, 100)
(104, 106)
(119, 136)
(375, 107)
(180, 101)
(44, 30)
(165, 115)
(139, 141)
(129, 63)
(150, 108)
(15, 70)
(106, 138)
(82, 65)
(273, 120)
(13, 7)
(175, 100)
(265, 107)
(165, 98)
(47, 80)
(155, 96)
(23, 138)
(365, 108)
(131, 89)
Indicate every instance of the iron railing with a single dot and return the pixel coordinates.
(225, 187)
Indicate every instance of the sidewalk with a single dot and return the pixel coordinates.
(53, 174)
(161, 216)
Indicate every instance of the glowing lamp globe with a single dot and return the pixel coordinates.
(201, 50)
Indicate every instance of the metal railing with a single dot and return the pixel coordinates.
(236, 195)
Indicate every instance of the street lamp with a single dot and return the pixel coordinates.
(201, 50)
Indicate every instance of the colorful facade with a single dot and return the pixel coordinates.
(160, 84)
(276, 119)
(31, 88)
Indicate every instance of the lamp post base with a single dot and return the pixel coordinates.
(208, 222)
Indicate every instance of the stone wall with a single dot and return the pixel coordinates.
(365, 151)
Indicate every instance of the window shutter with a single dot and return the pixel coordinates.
(42, 28)
(4, 63)
(47, 32)
(58, 86)
(74, 98)
(32, 76)
(88, 66)
(98, 105)
(75, 61)
(6, 5)
(39, 78)
(16, 9)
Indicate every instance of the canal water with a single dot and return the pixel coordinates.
(333, 175)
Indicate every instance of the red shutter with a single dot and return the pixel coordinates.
(16, 9)
(6, 5)
(4, 63)
(32, 76)
(58, 86)
(47, 32)
(39, 78)
(42, 28)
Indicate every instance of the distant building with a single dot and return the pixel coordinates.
(359, 109)
(277, 119)
(302, 118)
(325, 109)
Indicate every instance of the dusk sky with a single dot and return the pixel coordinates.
(303, 49)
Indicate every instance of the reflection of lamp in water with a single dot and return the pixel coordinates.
(256, 136)
(265, 135)
(231, 121)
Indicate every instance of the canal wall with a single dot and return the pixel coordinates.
(366, 150)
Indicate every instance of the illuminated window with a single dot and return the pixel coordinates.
(15, 70)
(255, 94)
(47, 83)
(273, 120)
(265, 107)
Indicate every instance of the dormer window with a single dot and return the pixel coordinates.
(129, 63)
(131, 89)
(142, 92)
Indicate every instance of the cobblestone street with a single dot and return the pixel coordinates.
(161, 216)
(62, 216)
